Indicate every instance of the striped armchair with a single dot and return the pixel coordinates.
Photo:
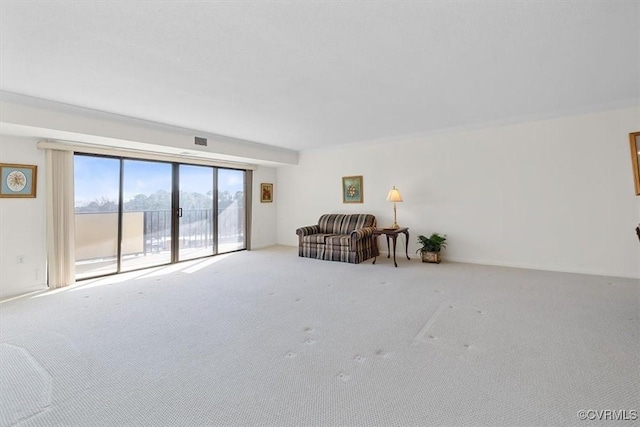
(339, 237)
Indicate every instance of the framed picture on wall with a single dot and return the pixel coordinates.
(634, 140)
(352, 189)
(266, 192)
(17, 180)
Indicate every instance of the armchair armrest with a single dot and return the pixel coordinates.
(360, 234)
(304, 231)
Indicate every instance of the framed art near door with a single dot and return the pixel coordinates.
(634, 140)
(18, 180)
(266, 192)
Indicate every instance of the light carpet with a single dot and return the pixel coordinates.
(267, 338)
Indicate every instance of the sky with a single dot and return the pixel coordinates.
(98, 177)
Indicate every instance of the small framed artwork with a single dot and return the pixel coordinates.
(266, 192)
(352, 189)
(18, 180)
(634, 140)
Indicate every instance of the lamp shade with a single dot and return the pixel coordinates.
(394, 195)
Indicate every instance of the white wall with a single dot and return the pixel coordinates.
(22, 224)
(555, 194)
(263, 225)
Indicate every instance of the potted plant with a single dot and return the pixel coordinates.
(431, 247)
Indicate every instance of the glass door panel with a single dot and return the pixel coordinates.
(195, 212)
(97, 196)
(132, 214)
(146, 214)
(231, 210)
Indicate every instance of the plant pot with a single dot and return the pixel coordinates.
(432, 257)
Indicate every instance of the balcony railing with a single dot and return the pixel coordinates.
(146, 232)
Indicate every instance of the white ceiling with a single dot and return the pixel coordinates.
(301, 75)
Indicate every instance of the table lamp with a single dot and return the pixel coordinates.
(394, 196)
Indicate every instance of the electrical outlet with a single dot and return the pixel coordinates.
(20, 259)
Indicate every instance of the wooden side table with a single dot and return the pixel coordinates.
(393, 234)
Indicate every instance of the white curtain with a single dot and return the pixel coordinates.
(60, 219)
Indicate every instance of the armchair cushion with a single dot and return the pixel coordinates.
(330, 224)
(316, 238)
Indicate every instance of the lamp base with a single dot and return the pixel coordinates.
(395, 225)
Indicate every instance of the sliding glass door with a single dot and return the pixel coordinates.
(97, 203)
(146, 214)
(195, 212)
(231, 210)
(131, 214)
